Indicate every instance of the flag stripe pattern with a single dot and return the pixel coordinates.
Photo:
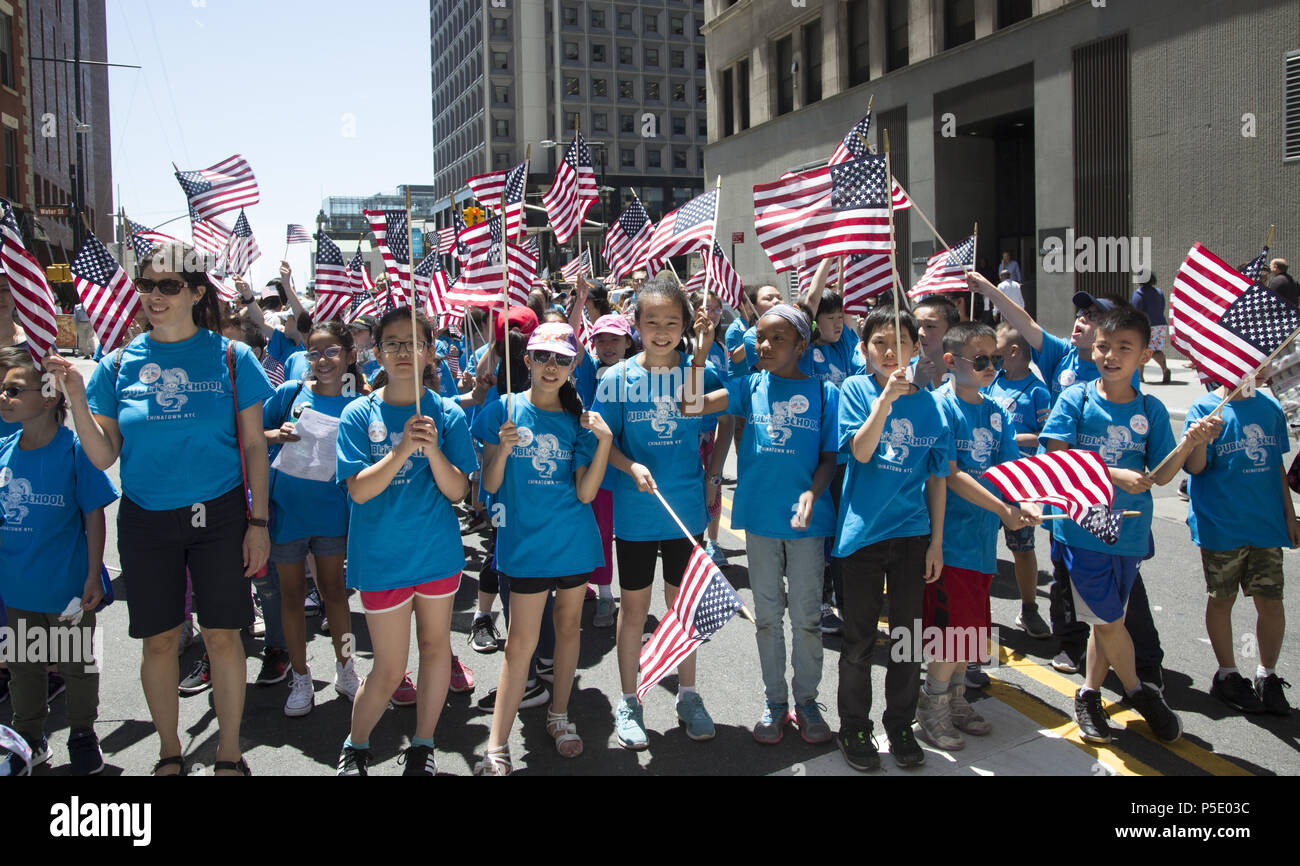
(329, 304)
(946, 271)
(331, 272)
(431, 285)
(723, 279)
(627, 242)
(362, 305)
(1222, 320)
(573, 192)
(487, 188)
(839, 209)
(704, 604)
(211, 236)
(580, 265)
(446, 240)
(1074, 480)
(106, 292)
(243, 246)
(389, 228)
(854, 145)
(865, 276)
(32, 295)
(685, 230)
(144, 239)
(297, 235)
(223, 187)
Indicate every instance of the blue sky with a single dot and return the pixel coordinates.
(322, 98)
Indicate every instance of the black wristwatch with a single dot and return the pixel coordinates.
(261, 523)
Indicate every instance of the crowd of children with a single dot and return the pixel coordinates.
(578, 437)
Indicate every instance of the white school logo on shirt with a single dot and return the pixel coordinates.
(1139, 424)
(980, 445)
(900, 439)
(16, 494)
(1116, 442)
(545, 455)
(1066, 378)
(171, 387)
(819, 356)
(150, 373)
(662, 419)
(1255, 444)
(377, 431)
(995, 421)
(525, 437)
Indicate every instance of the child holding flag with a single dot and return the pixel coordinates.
(403, 465)
(543, 461)
(713, 430)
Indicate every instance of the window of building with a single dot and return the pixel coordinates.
(625, 89)
(728, 102)
(1011, 11)
(627, 157)
(679, 125)
(896, 50)
(500, 94)
(11, 161)
(1291, 111)
(653, 198)
(501, 159)
(627, 123)
(742, 93)
(7, 55)
(651, 22)
(571, 120)
(625, 55)
(652, 91)
(702, 127)
(624, 20)
(785, 75)
(679, 159)
(701, 95)
(500, 26)
(677, 25)
(652, 57)
(599, 88)
(597, 19)
(571, 85)
(571, 51)
(653, 158)
(679, 92)
(501, 128)
(682, 194)
(859, 44)
(958, 22)
(570, 16)
(677, 58)
(599, 121)
(500, 61)
(599, 54)
(699, 61)
(812, 62)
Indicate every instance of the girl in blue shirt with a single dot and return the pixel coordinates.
(309, 516)
(544, 462)
(404, 550)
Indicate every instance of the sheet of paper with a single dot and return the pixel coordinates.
(312, 457)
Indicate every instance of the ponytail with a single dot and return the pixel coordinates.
(569, 399)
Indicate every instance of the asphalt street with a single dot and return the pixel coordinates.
(1029, 703)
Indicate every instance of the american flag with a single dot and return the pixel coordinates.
(865, 276)
(106, 292)
(946, 271)
(211, 236)
(458, 227)
(579, 266)
(628, 241)
(144, 239)
(1223, 321)
(573, 192)
(358, 273)
(446, 240)
(533, 249)
(838, 209)
(1074, 480)
(685, 230)
(584, 332)
(217, 276)
(854, 145)
(487, 188)
(223, 187)
(297, 235)
(362, 305)
(243, 246)
(695, 282)
(723, 279)
(330, 304)
(479, 283)
(32, 295)
(1253, 270)
(704, 604)
(389, 227)
(274, 370)
(431, 285)
(331, 273)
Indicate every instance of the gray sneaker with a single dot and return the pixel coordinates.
(812, 727)
(966, 718)
(934, 722)
(606, 613)
(690, 710)
(771, 728)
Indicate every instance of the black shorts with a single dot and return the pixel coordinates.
(538, 585)
(156, 547)
(636, 561)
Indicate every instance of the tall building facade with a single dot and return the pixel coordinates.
(1046, 122)
(508, 75)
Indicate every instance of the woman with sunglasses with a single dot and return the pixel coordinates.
(544, 459)
(165, 404)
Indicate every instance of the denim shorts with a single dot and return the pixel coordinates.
(297, 550)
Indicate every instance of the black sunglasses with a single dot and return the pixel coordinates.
(981, 362)
(170, 288)
(13, 391)
(545, 358)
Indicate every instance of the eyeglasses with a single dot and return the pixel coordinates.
(545, 358)
(981, 362)
(395, 347)
(1092, 317)
(13, 391)
(171, 288)
(333, 353)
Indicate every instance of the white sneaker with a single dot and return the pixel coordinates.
(302, 695)
(346, 680)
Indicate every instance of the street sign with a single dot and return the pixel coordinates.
(737, 237)
(52, 210)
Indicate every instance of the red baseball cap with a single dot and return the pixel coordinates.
(522, 319)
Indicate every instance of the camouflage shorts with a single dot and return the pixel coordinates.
(1256, 571)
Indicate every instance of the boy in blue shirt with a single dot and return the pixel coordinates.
(1237, 482)
(1131, 432)
(890, 524)
(1027, 400)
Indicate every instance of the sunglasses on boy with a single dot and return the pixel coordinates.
(545, 358)
(981, 363)
(170, 288)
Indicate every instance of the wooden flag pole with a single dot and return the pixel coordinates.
(1064, 516)
(505, 297)
(970, 304)
(708, 255)
(1268, 242)
(415, 324)
(893, 258)
(841, 280)
(744, 611)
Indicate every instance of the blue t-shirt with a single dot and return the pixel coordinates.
(8, 429)
(1236, 500)
(1023, 399)
(1134, 435)
(734, 339)
(584, 379)
(43, 495)
(297, 367)
(1151, 301)
(281, 348)
(174, 405)
(834, 362)
(300, 507)
(1059, 362)
(717, 361)
(645, 417)
(408, 534)
(790, 423)
(545, 531)
(982, 436)
(885, 498)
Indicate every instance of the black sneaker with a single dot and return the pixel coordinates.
(859, 748)
(829, 622)
(1032, 622)
(199, 679)
(419, 762)
(1091, 716)
(1182, 490)
(275, 667)
(535, 694)
(56, 687)
(12, 765)
(1269, 689)
(483, 637)
(546, 671)
(1151, 705)
(353, 762)
(906, 750)
(84, 753)
(1235, 691)
(4, 685)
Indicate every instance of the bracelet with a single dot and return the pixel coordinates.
(254, 521)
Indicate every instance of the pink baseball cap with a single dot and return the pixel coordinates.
(553, 337)
(611, 324)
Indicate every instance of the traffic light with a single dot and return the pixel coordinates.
(473, 215)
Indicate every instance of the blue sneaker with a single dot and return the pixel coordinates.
(771, 728)
(690, 709)
(629, 725)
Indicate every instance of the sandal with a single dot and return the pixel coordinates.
(240, 766)
(496, 762)
(565, 733)
(173, 761)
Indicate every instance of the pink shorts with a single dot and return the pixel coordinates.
(385, 600)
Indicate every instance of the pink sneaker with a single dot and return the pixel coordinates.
(462, 678)
(405, 694)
